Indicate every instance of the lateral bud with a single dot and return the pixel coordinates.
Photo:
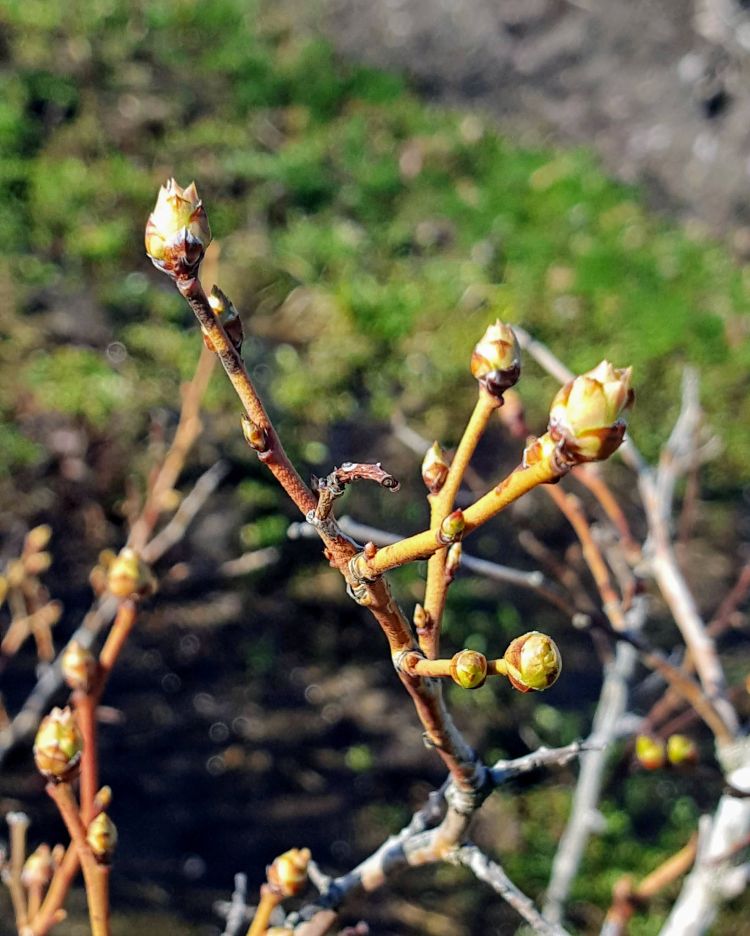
(496, 359)
(435, 468)
(452, 528)
(78, 666)
(255, 435)
(102, 837)
(38, 868)
(224, 310)
(128, 575)
(453, 561)
(469, 669)
(58, 745)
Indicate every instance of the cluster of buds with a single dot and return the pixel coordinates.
(585, 416)
(177, 231)
(435, 468)
(532, 662)
(78, 666)
(653, 754)
(287, 875)
(229, 318)
(101, 837)
(58, 745)
(496, 360)
(129, 576)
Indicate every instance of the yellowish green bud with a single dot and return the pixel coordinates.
(435, 468)
(38, 868)
(650, 752)
(681, 750)
(129, 575)
(586, 413)
(469, 669)
(533, 662)
(288, 872)
(255, 436)
(225, 312)
(37, 538)
(102, 837)
(58, 745)
(177, 231)
(452, 527)
(496, 359)
(78, 666)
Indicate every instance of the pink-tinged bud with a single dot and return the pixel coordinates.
(496, 359)
(102, 837)
(177, 231)
(435, 468)
(225, 312)
(452, 527)
(650, 752)
(585, 414)
(38, 868)
(58, 745)
(288, 873)
(129, 575)
(469, 669)
(255, 436)
(533, 662)
(681, 750)
(78, 666)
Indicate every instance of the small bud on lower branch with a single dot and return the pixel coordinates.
(452, 528)
(58, 745)
(254, 435)
(78, 666)
(469, 669)
(533, 662)
(288, 873)
(225, 312)
(129, 575)
(496, 359)
(585, 415)
(102, 837)
(38, 868)
(435, 468)
(177, 231)
(453, 561)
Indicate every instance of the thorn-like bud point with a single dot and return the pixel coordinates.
(38, 868)
(255, 436)
(469, 669)
(58, 745)
(452, 527)
(78, 666)
(586, 413)
(102, 837)
(177, 231)
(435, 468)
(224, 310)
(649, 752)
(681, 750)
(533, 661)
(496, 359)
(288, 873)
(129, 575)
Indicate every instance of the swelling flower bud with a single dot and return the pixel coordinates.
(177, 231)
(224, 310)
(102, 837)
(435, 468)
(288, 873)
(255, 436)
(38, 868)
(78, 666)
(681, 750)
(128, 575)
(469, 669)
(452, 527)
(58, 745)
(585, 414)
(533, 662)
(649, 752)
(496, 359)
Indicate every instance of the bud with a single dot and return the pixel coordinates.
(649, 752)
(453, 560)
(435, 468)
(37, 538)
(177, 231)
(78, 666)
(225, 312)
(533, 661)
(469, 669)
(37, 563)
(102, 837)
(255, 436)
(58, 745)
(496, 359)
(452, 527)
(681, 750)
(585, 414)
(128, 575)
(288, 873)
(38, 868)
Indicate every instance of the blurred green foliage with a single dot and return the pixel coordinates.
(373, 236)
